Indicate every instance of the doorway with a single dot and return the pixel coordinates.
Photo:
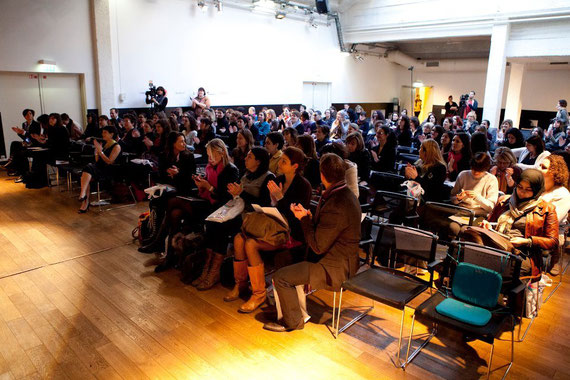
(316, 95)
(42, 92)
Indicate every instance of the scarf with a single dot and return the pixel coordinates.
(520, 207)
(456, 158)
(327, 194)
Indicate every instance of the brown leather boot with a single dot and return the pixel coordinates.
(213, 276)
(257, 279)
(240, 275)
(207, 263)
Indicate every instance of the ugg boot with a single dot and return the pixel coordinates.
(257, 279)
(199, 280)
(240, 275)
(213, 276)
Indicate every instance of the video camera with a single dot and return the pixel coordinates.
(151, 90)
(463, 100)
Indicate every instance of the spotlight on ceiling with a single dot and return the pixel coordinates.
(418, 83)
(280, 15)
(219, 5)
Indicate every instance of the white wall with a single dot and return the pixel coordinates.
(238, 56)
(57, 30)
(541, 89)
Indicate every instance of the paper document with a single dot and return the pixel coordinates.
(272, 211)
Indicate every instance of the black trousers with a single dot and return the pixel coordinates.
(285, 280)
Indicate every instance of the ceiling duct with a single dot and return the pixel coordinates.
(432, 64)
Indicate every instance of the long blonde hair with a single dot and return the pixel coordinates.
(432, 153)
(217, 145)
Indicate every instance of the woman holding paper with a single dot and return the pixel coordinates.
(529, 221)
(289, 188)
(253, 190)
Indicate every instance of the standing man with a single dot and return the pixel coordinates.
(333, 234)
(451, 107)
(470, 105)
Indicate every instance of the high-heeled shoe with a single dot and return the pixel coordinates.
(83, 211)
(82, 199)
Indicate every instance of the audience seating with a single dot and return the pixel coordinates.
(399, 208)
(386, 181)
(504, 263)
(386, 284)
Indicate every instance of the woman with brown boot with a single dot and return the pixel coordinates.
(212, 189)
(287, 189)
(252, 189)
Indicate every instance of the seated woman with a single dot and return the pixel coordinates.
(529, 221)
(244, 141)
(475, 189)
(213, 189)
(358, 154)
(505, 170)
(322, 137)
(446, 139)
(351, 171)
(533, 155)
(205, 135)
(479, 143)
(403, 132)
(384, 154)
(430, 173)
(555, 136)
(190, 129)
(253, 190)
(105, 157)
(289, 188)
(555, 173)
(290, 135)
(459, 157)
(311, 167)
(274, 144)
(513, 139)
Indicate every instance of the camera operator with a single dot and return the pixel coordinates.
(156, 98)
(470, 104)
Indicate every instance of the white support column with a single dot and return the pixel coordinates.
(496, 74)
(514, 105)
(101, 29)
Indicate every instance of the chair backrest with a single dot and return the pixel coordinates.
(485, 293)
(506, 264)
(436, 210)
(397, 204)
(407, 157)
(395, 242)
(386, 181)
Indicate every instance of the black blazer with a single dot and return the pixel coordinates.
(298, 192)
(386, 159)
(432, 183)
(220, 194)
(186, 168)
(362, 160)
(334, 235)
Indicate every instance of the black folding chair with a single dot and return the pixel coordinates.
(386, 181)
(433, 211)
(397, 207)
(504, 263)
(385, 284)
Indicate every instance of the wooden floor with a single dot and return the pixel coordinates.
(78, 301)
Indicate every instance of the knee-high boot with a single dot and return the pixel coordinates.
(213, 276)
(156, 244)
(257, 279)
(240, 275)
(202, 277)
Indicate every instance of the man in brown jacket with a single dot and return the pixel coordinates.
(332, 233)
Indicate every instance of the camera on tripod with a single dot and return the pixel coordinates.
(151, 90)
(463, 100)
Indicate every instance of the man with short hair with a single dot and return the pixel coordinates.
(114, 118)
(333, 233)
(295, 119)
(470, 104)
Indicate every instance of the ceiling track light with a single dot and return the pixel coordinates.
(280, 15)
(219, 5)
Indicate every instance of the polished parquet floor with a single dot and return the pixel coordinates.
(78, 301)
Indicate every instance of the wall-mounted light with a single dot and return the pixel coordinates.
(47, 65)
(418, 83)
(280, 15)
(219, 6)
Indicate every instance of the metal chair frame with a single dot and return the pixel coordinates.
(336, 329)
(410, 357)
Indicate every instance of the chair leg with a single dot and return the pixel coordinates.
(490, 360)
(561, 274)
(350, 323)
(400, 338)
(411, 357)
